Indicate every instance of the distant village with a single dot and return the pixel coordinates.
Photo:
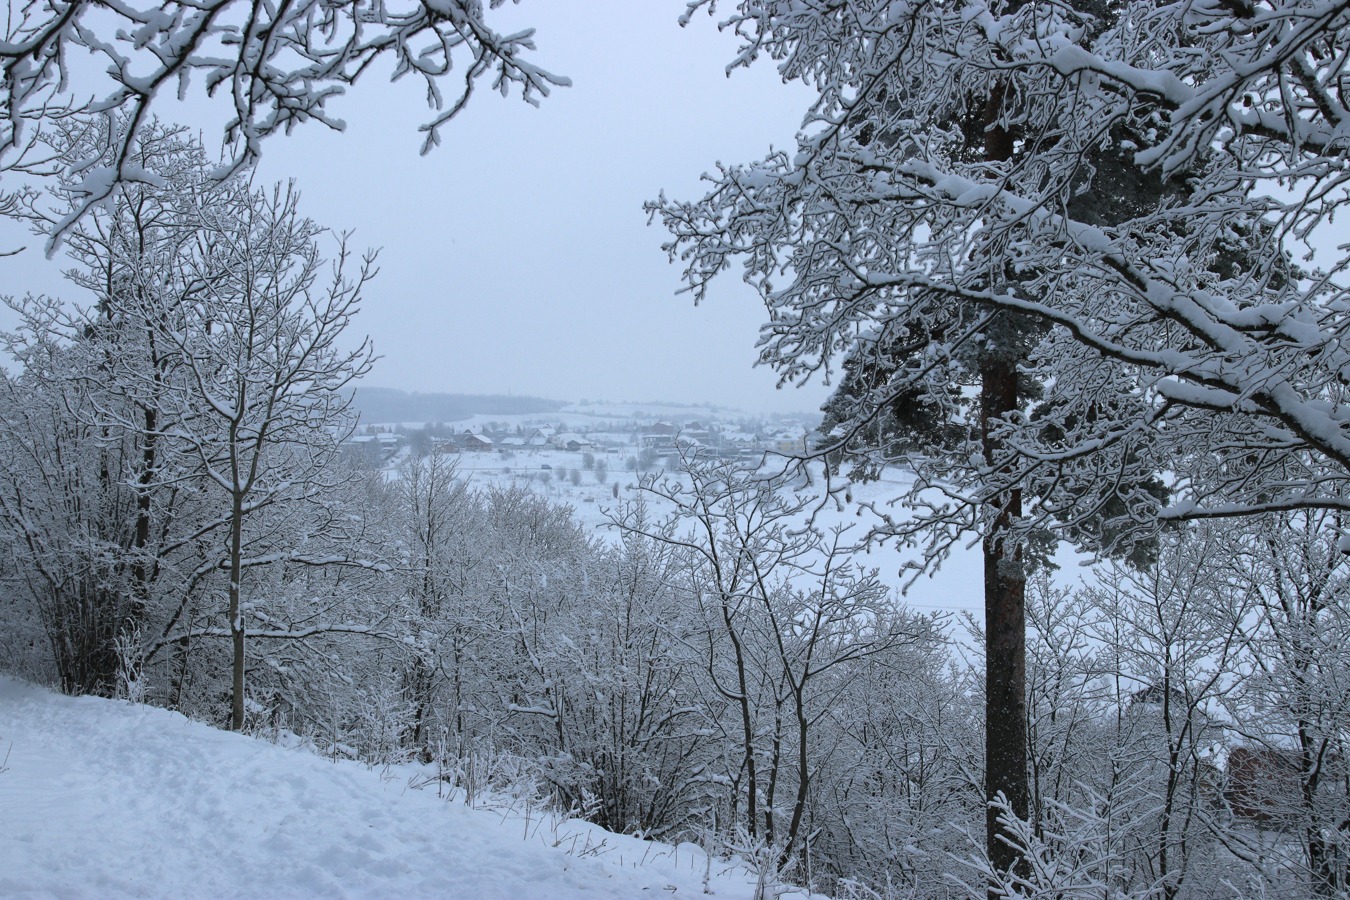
(632, 442)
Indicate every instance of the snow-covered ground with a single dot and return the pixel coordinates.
(105, 799)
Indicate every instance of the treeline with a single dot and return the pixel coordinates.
(387, 405)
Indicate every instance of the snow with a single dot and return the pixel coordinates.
(1069, 59)
(107, 799)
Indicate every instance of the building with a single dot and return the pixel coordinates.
(475, 442)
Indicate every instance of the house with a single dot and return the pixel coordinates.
(788, 443)
(471, 441)
(573, 442)
(1263, 784)
(362, 450)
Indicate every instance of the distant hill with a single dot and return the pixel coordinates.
(389, 405)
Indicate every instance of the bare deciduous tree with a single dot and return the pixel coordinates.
(276, 66)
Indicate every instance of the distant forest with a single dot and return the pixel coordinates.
(376, 404)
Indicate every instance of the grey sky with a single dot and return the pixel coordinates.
(516, 256)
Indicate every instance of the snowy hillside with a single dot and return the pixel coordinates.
(106, 799)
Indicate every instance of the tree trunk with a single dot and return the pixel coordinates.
(747, 727)
(1005, 632)
(1322, 862)
(1005, 742)
(236, 616)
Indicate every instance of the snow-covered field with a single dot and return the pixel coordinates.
(105, 799)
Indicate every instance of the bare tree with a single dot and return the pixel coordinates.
(1288, 776)
(276, 67)
(439, 523)
(265, 378)
(787, 611)
(65, 511)
(108, 370)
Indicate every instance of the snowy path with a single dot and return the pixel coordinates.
(108, 799)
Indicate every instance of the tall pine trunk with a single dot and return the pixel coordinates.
(1005, 709)
(1005, 719)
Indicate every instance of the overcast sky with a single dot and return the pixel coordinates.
(516, 257)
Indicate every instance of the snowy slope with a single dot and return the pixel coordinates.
(105, 799)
